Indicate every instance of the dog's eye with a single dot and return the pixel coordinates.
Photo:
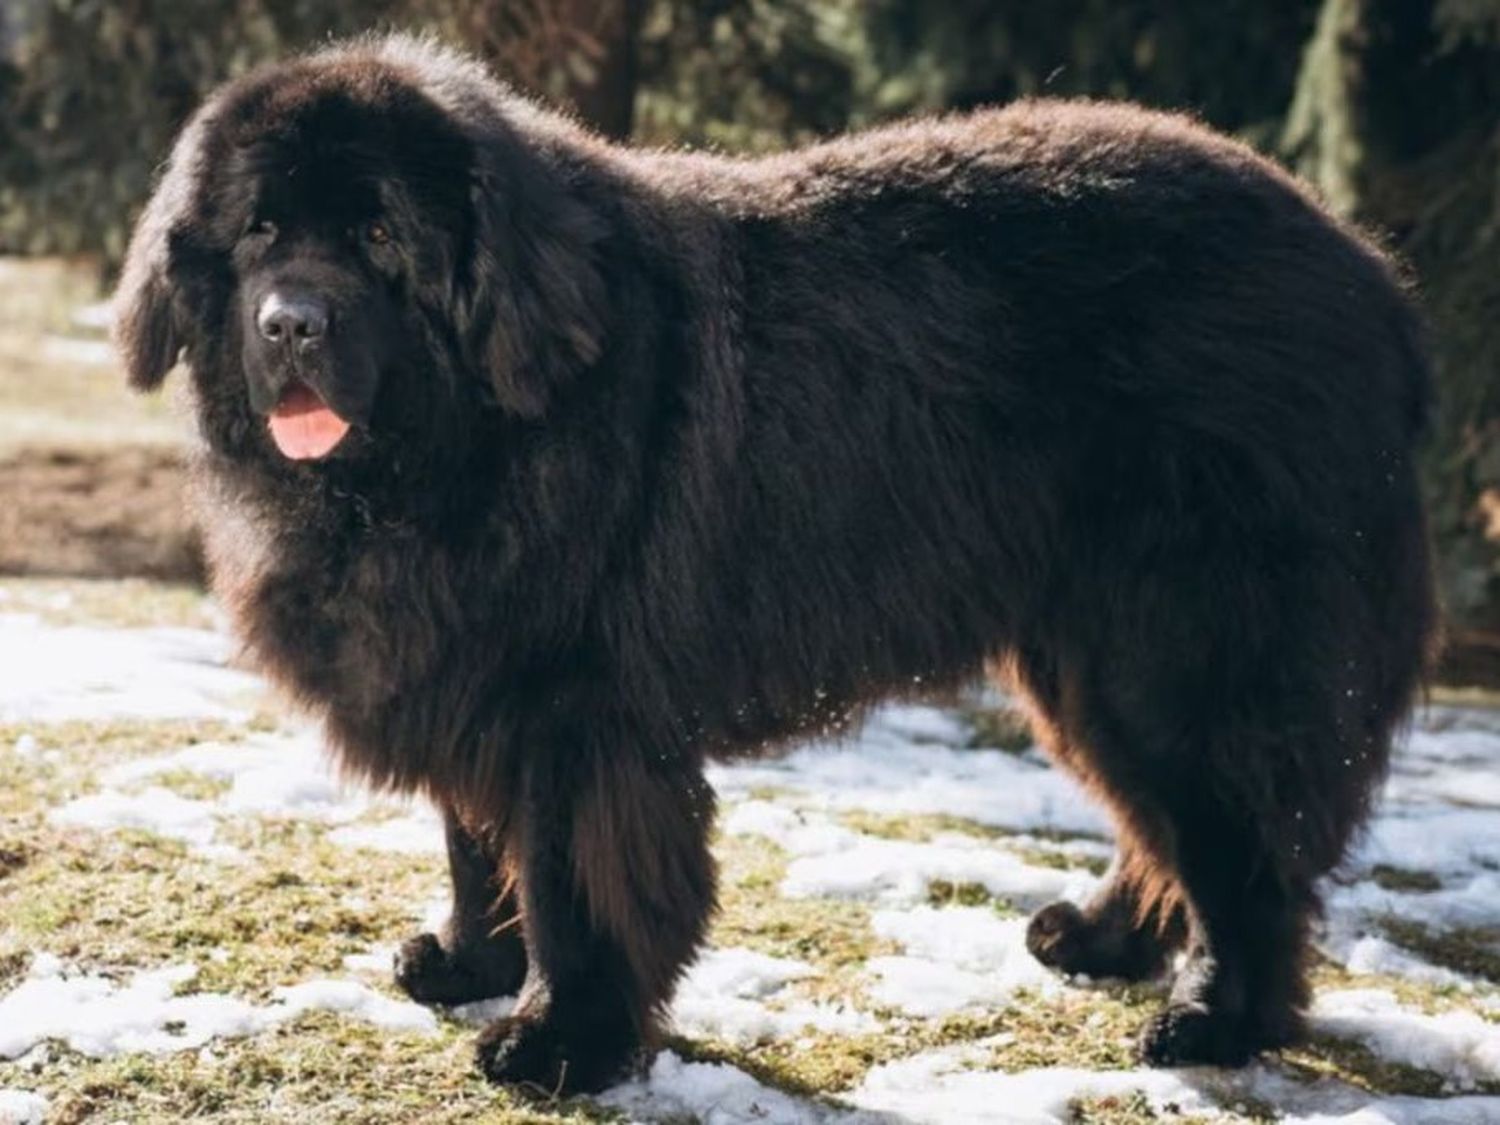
(377, 233)
(263, 228)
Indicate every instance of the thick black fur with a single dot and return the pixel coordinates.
(668, 456)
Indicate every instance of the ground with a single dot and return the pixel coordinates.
(197, 920)
(90, 477)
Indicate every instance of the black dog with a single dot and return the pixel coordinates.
(545, 469)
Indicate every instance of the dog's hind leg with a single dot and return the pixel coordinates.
(1245, 760)
(1238, 740)
(617, 886)
(1211, 848)
(478, 952)
(1243, 987)
(1126, 931)
(1134, 922)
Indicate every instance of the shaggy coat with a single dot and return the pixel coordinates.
(657, 457)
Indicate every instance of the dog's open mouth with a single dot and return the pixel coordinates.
(303, 426)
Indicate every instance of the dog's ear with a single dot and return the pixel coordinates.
(145, 327)
(535, 296)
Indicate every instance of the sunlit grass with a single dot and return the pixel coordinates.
(295, 906)
(51, 391)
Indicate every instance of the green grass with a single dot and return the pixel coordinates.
(191, 785)
(940, 892)
(298, 905)
(69, 757)
(1472, 951)
(48, 397)
(1422, 996)
(122, 901)
(318, 1068)
(1348, 1061)
(134, 900)
(1404, 879)
(833, 935)
(125, 602)
(1132, 1109)
(921, 828)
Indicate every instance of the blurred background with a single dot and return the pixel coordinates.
(1390, 107)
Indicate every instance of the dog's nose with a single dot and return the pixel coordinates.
(300, 320)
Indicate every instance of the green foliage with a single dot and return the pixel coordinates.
(1234, 63)
(748, 75)
(95, 90)
(755, 74)
(1468, 21)
(1397, 120)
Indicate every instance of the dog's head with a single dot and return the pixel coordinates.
(344, 245)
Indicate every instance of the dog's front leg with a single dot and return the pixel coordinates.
(478, 952)
(616, 887)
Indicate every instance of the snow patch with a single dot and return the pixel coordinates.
(350, 998)
(70, 349)
(100, 1018)
(477, 1013)
(1472, 899)
(1461, 1046)
(21, 1107)
(761, 818)
(795, 831)
(718, 1094)
(1373, 955)
(911, 760)
(96, 316)
(725, 996)
(377, 959)
(1409, 1111)
(286, 774)
(956, 957)
(74, 672)
(156, 810)
(949, 1086)
(407, 835)
(900, 871)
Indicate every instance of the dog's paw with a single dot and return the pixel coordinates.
(537, 1055)
(1063, 937)
(430, 974)
(1194, 1035)
(1054, 935)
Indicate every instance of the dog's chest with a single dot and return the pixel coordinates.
(388, 616)
(338, 620)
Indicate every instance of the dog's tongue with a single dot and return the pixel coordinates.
(303, 427)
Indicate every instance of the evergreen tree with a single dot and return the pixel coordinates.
(1397, 120)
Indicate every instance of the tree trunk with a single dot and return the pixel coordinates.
(607, 102)
(582, 54)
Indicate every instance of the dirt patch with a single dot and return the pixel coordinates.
(97, 513)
